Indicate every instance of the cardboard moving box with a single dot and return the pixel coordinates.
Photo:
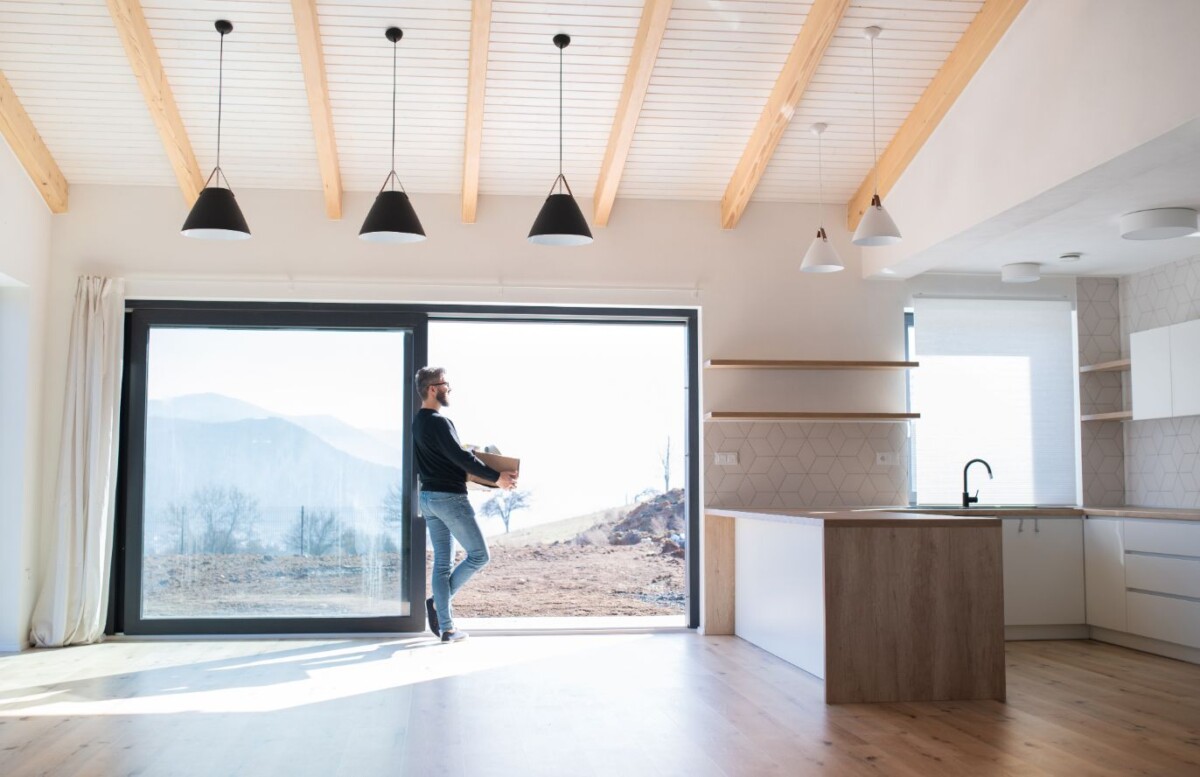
(496, 462)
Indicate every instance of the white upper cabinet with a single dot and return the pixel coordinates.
(1185, 369)
(1150, 357)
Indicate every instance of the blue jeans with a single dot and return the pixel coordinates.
(449, 516)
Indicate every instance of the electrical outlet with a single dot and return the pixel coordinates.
(725, 459)
(887, 459)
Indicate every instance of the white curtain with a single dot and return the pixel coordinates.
(72, 604)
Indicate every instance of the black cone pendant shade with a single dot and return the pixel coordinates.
(215, 215)
(560, 222)
(392, 218)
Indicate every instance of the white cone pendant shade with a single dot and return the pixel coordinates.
(560, 222)
(215, 214)
(821, 255)
(392, 218)
(876, 227)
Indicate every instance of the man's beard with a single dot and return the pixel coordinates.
(443, 399)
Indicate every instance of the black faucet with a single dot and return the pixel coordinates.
(968, 500)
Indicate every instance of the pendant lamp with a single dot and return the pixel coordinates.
(215, 215)
(560, 222)
(821, 256)
(392, 218)
(876, 227)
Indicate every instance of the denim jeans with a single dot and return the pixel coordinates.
(450, 515)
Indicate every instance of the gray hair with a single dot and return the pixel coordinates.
(426, 377)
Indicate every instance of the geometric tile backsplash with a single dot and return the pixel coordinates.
(1162, 465)
(799, 464)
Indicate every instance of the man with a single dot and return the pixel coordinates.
(443, 466)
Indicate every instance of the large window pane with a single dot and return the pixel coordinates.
(597, 415)
(272, 482)
(996, 381)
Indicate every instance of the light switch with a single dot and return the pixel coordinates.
(728, 459)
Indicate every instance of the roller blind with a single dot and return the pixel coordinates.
(996, 382)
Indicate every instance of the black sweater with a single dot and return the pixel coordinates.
(441, 461)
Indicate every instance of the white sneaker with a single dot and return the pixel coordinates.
(458, 635)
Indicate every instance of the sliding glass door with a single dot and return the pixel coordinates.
(267, 485)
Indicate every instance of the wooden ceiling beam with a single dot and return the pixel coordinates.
(637, 80)
(139, 46)
(976, 43)
(30, 150)
(316, 84)
(481, 25)
(806, 54)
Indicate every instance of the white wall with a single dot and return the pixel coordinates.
(1073, 84)
(25, 225)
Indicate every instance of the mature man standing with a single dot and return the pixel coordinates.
(443, 466)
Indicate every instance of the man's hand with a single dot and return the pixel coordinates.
(507, 481)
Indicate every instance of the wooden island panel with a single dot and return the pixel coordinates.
(913, 613)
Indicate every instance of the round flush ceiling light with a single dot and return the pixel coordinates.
(1158, 224)
(1021, 272)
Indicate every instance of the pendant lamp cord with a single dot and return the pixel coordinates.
(560, 116)
(820, 183)
(220, 95)
(392, 176)
(874, 145)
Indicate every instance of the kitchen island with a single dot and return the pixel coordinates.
(883, 606)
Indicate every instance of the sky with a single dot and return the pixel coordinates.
(588, 408)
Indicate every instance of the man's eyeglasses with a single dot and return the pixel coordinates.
(443, 383)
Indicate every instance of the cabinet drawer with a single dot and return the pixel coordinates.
(1179, 576)
(1165, 618)
(1181, 538)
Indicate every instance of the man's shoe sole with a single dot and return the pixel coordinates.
(431, 613)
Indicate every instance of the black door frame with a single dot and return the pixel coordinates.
(142, 314)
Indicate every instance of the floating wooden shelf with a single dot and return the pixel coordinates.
(1120, 415)
(733, 415)
(805, 364)
(1118, 365)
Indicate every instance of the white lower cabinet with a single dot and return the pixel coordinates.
(1104, 571)
(1043, 571)
(1168, 618)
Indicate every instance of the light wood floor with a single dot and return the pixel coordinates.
(626, 705)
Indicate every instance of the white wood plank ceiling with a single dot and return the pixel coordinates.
(718, 63)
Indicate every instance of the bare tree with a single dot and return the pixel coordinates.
(226, 518)
(180, 518)
(503, 504)
(315, 533)
(665, 458)
(393, 504)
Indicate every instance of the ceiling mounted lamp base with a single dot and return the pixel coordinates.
(1021, 272)
(560, 222)
(876, 227)
(215, 215)
(1158, 224)
(392, 218)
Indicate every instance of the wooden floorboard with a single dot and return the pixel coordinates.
(567, 705)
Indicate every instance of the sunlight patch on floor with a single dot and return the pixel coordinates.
(304, 676)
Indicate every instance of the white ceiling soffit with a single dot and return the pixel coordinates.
(1081, 216)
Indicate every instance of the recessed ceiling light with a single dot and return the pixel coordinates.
(1021, 272)
(1071, 257)
(1158, 224)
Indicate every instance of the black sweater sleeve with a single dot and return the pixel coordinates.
(445, 440)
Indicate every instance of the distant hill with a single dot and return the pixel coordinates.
(217, 408)
(280, 463)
